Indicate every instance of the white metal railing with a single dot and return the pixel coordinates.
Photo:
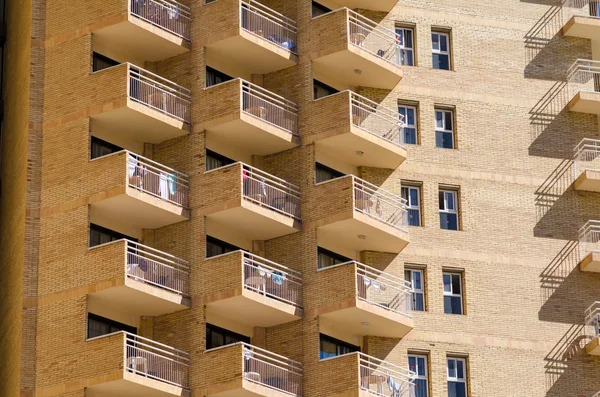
(380, 204)
(581, 8)
(272, 370)
(159, 93)
(271, 192)
(385, 379)
(270, 25)
(597, 394)
(586, 156)
(272, 279)
(589, 238)
(583, 75)
(374, 38)
(157, 268)
(592, 320)
(153, 178)
(169, 15)
(377, 119)
(267, 106)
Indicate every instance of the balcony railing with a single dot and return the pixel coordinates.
(370, 36)
(272, 279)
(265, 105)
(377, 119)
(271, 192)
(586, 156)
(153, 178)
(597, 394)
(592, 320)
(270, 25)
(380, 204)
(580, 8)
(382, 378)
(583, 75)
(169, 15)
(156, 268)
(159, 94)
(589, 238)
(272, 370)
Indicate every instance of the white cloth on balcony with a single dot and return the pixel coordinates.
(163, 186)
(132, 165)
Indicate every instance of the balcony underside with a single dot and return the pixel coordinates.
(588, 181)
(243, 388)
(135, 298)
(249, 54)
(360, 148)
(133, 385)
(137, 40)
(250, 220)
(353, 315)
(584, 27)
(254, 309)
(138, 122)
(586, 102)
(375, 5)
(591, 263)
(344, 66)
(247, 134)
(136, 209)
(345, 232)
(593, 348)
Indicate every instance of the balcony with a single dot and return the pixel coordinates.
(586, 165)
(589, 247)
(155, 109)
(357, 131)
(365, 301)
(358, 374)
(244, 200)
(146, 195)
(243, 370)
(144, 281)
(248, 36)
(360, 216)
(583, 82)
(256, 292)
(249, 119)
(581, 18)
(130, 365)
(356, 50)
(151, 30)
(592, 329)
(375, 5)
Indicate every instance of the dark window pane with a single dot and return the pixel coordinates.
(216, 160)
(100, 62)
(447, 282)
(328, 258)
(420, 388)
(410, 116)
(414, 218)
(331, 347)
(456, 284)
(452, 305)
(441, 61)
(325, 173)
(98, 326)
(102, 148)
(419, 302)
(319, 9)
(441, 201)
(444, 140)
(217, 337)
(406, 57)
(322, 90)
(101, 235)
(214, 77)
(448, 221)
(457, 389)
(448, 121)
(215, 247)
(460, 374)
(408, 41)
(410, 136)
(443, 43)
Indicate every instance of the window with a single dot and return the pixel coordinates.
(440, 48)
(412, 195)
(416, 279)
(100, 62)
(595, 8)
(216, 160)
(453, 303)
(319, 9)
(325, 173)
(328, 258)
(410, 123)
(448, 209)
(406, 43)
(98, 326)
(321, 90)
(418, 364)
(102, 148)
(444, 128)
(101, 235)
(215, 247)
(217, 337)
(457, 377)
(331, 347)
(213, 77)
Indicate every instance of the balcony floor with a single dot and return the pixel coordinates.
(133, 385)
(593, 348)
(588, 181)
(585, 102)
(584, 27)
(591, 263)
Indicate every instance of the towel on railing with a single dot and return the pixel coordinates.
(394, 386)
(173, 184)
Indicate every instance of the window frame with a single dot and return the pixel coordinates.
(333, 171)
(224, 332)
(452, 292)
(445, 210)
(320, 7)
(457, 379)
(439, 50)
(331, 254)
(219, 157)
(414, 126)
(318, 83)
(416, 291)
(217, 73)
(114, 235)
(408, 188)
(445, 129)
(339, 343)
(403, 46)
(223, 244)
(109, 322)
(103, 58)
(101, 142)
(425, 377)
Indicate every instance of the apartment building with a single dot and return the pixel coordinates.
(230, 198)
